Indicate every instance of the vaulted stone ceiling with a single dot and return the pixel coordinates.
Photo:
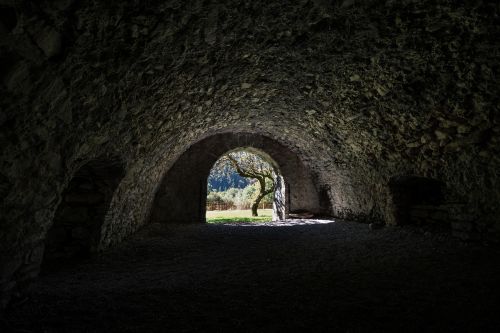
(361, 91)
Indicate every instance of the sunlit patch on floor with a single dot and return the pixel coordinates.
(284, 223)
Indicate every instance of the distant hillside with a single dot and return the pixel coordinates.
(222, 181)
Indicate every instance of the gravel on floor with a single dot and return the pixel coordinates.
(296, 275)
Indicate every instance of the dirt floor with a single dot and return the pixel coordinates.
(302, 275)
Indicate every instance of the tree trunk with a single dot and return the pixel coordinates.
(255, 204)
(261, 178)
(262, 194)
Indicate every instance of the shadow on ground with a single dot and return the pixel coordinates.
(302, 275)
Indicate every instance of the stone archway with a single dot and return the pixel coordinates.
(280, 198)
(181, 196)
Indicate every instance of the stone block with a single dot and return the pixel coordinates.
(6, 293)
(50, 41)
(6, 287)
(63, 4)
(462, 226)
(18, 78)
(24, 269)
(8, 266)
(28, 272)
(36, 255)
(493, 236)
(460, 234)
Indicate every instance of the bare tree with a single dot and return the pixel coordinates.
(249, 165)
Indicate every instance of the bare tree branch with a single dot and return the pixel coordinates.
(251, 166)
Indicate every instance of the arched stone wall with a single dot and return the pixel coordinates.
(181, 196)
(348, 195)
(361, 91)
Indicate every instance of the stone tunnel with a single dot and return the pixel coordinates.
(112, 113)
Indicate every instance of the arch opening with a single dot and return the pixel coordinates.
(243, 182)
(181, 196)
(76, 230)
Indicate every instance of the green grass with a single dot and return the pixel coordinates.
(229, 216)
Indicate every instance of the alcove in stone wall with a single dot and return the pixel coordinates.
(418, 200)
(76, 229)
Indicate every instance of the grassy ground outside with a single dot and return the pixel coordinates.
(227, 216)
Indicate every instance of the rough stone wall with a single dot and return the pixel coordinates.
(363, 91)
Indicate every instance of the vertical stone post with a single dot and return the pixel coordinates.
(279, 202)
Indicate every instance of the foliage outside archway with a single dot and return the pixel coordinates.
(252, 166)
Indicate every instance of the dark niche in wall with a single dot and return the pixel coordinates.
(76, 230)
(325, 194)
(417, 200)
(8, 18)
